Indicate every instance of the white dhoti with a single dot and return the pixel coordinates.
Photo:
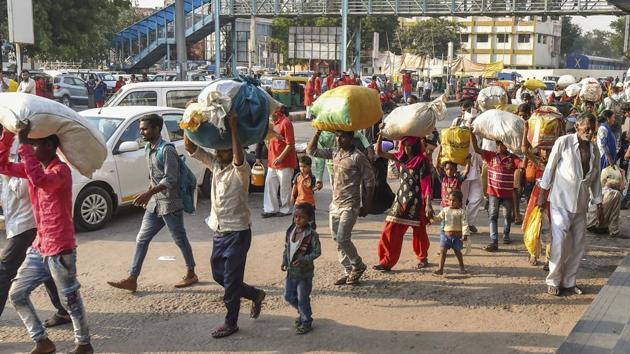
(473, 193)
(568, 244)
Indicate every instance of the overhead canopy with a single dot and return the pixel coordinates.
(463, 66)
(412, 62)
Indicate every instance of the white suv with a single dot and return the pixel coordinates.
(125, 173)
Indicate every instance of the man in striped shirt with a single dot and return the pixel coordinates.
(502, 166)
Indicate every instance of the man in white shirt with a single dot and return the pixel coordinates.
(231, 226)
(27, 85)
(4, 83)
(420, 87)
(21, 231)
(571, 179)
(428, 87)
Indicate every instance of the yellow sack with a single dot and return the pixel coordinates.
(512, 108)
(13, 86)
(455, 145)
(544, 127)
(531, 237)
(347, 108)
(533, 84)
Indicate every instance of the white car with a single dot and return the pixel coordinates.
(125, 173)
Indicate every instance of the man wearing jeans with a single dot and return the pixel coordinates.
(501, 168)
(163, 205)
(21, 231)
(353, 188)
(231, 226)
(53, 253)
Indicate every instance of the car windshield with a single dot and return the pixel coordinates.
(108, 77)
(107, 126)
(550, 86)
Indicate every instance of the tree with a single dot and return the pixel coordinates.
(617, 38)
(430, 37)
(72, 30)
(597, 42)
(571, 40)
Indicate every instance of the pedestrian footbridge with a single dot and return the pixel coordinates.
(145, 42)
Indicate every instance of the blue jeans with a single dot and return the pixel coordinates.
(493, 210)
(298, 293)
(152, 223)
(229, 255)
(35, 271)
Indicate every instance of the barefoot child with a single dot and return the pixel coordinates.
(300, 250)
(454, 228)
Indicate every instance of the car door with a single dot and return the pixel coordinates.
(133, 172)
(79, 89)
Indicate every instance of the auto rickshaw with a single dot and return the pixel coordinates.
(289, 90)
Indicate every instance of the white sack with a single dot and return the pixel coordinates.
(81, 144)
(490, 97)
(503, 126)
(573, 90)
(591, 90)
(417, 119)
(564, 81)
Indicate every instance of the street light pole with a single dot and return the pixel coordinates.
(180, 39)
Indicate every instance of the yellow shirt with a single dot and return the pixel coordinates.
(453, 220)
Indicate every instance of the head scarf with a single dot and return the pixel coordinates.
(401, 155)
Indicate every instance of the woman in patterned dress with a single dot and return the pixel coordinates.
(411, 206)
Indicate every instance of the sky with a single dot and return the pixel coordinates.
(587, 23)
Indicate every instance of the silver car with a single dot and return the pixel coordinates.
(70, 90)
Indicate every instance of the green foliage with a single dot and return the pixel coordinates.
(430, 37)
(72, 30)
(571, 40)
(597, 42)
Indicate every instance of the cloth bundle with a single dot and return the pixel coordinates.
(416, 119)
(347, 108)
(204, 121)
(455, 145)
(544, 127)
(500, 126)
(591, 90)
(490, 97)
(81, 144)
(573, 90)
(564, 81)
(533, 84)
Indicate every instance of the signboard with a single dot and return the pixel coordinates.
(315, 43)
(21, 21)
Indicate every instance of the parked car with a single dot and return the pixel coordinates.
(550, 86)
(164, 94)
(69, 90)
(124, 174)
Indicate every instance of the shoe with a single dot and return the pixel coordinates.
(575, 290)
(553, 290)
(257, 305)
(492, 247)
(130, 283)
(268, 215)
(473, 229)
(506, 240)
(422, 264)
(187, 281)
(224, 331)
(303, 329)
(546, 267)
(57, 320)
(284, 214)
(355, 275)
(44, 346)
(381, 268)
(342, 280)
(82, 349)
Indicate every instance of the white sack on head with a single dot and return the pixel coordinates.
(417, 119)
(500, 126)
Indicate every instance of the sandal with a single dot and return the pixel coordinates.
(533, 261)
(303, 329)
(57, 320)
(492, 247)
(257, 305)
(553, 290)
(576, 290)
(224, 331)
(422, 264)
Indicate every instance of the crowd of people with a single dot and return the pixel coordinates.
(564, 179)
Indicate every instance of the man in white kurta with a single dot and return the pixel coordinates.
(572, 179)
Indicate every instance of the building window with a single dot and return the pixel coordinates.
(544, 39)
(502, 38)
(482, 38)
(463, 38)
(524, 38)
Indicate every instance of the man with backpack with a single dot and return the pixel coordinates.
(165, 202)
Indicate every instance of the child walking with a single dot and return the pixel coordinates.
(454, 228)
(304, 183)
(301, 248)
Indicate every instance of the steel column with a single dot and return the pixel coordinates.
(234, 47)
(357, 49)
(217, 38)
(344, 34)
(180, 39)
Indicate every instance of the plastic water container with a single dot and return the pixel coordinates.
(258, 175)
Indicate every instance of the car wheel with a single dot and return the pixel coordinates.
(206, 186)
(66, 101)
(93, 208)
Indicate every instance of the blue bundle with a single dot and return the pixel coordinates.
(252, 107)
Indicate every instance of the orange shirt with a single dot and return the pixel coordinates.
(305, 189)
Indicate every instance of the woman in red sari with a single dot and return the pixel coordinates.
(411, 206)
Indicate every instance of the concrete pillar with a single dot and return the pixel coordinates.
(217, 38)
(357, 50)
(180, 39)
(344, 34)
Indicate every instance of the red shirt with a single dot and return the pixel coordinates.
(501, 173)
(284, 126)
(50, 189)
(373, 85)
(318, 86)
(119, 85)
(329, 81)
(407, 83)
(450, 184)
